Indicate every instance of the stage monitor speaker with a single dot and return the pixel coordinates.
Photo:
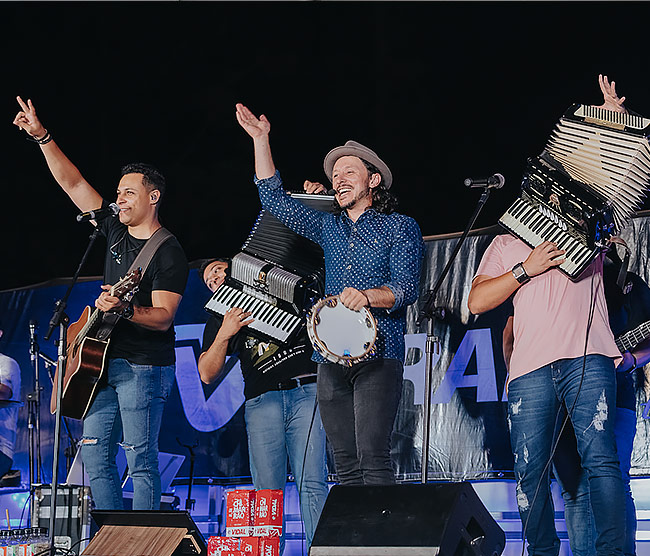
(446, 519)
(145, 533)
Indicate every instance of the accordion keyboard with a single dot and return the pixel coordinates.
(270, 320)
(525, 220)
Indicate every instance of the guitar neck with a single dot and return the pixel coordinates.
(94, 318)
(631, 339)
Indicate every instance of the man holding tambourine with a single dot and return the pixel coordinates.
(373, 257)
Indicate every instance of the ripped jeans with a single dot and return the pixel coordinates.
(533, 403)
(128, 410)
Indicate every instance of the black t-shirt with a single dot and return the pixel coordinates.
(626, 312)
(167, 271)
(263, 363)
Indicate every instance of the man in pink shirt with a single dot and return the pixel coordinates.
(563, 353)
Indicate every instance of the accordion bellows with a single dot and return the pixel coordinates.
(585, 186)
(276, 276)
(608, 152)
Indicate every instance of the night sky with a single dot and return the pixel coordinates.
(441, 91)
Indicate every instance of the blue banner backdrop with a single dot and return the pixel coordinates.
(469, 437)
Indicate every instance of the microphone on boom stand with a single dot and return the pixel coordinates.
(493, 182)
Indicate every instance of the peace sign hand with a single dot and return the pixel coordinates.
(27, 120)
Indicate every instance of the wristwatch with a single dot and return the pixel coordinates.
(127, 313)
(519, 272)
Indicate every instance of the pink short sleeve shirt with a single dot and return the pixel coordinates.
(551, 311)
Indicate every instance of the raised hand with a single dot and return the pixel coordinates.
(610, 98)
(255, 127)
(546, 255)
(27, 120)
(314, 187)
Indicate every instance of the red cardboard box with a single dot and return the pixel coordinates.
(239, 513)
(217, 545)
(232, 553)
(268, 513)
(270, 546)
(250, 546)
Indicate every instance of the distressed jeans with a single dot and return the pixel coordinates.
(575, 487)
(358, 406)
(278, 426)
(127, 410)
(533, 403)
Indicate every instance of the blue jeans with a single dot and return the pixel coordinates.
(358, 406)
(128, 409)
(278, 423)
(575, 487)
(534, 400)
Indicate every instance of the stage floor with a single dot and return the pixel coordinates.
(498, 496)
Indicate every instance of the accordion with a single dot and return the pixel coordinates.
(585, 186)
(277, 276)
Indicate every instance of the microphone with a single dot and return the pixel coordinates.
(99, 214)
(493, 182)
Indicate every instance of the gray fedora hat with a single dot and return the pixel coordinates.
(352, 148)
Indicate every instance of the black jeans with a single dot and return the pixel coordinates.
(358, 406)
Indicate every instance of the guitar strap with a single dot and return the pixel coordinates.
(142, 260)
(160, 236)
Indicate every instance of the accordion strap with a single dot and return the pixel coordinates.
(625, 261)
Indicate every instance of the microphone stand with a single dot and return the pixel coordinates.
(430, 312)
(60, 319)
(34, 413)
(71, 450)
(189, 501)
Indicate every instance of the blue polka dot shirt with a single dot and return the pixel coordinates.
(376, 250)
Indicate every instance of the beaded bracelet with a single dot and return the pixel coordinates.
(635, 363)
(42, 141)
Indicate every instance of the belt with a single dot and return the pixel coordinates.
(292, 383)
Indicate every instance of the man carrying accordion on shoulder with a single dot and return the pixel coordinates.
(579, 192)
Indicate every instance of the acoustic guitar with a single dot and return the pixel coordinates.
(88, 340)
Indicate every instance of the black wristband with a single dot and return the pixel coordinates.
(127, 312)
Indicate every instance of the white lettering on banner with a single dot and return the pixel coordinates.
(213, 413)
(477, 341)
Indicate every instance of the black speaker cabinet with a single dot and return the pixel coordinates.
(446, 519)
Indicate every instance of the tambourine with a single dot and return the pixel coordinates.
(339, 334)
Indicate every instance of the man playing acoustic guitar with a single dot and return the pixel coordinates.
(140, 370)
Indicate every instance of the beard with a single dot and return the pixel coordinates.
(350, 204)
